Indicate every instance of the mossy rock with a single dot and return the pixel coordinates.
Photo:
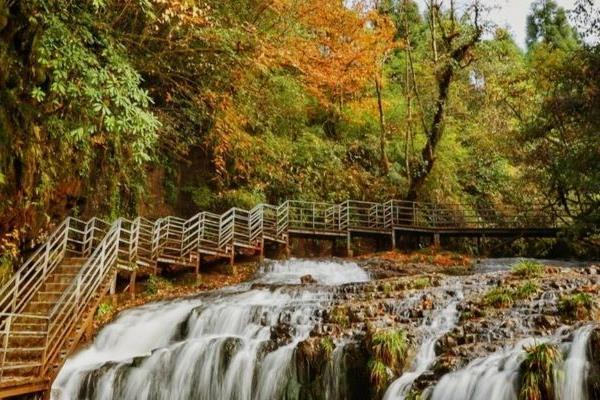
(593, 381)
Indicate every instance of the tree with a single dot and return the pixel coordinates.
(547, 23)
(458, 42)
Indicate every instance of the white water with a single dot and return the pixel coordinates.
(214, 348)
(496, 377)
(576, 366)
(441, 322)
(335, 379)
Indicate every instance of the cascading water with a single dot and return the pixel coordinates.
(266, 339)
(440, 323)
(571, 384)
(496, 377)
(220, 346)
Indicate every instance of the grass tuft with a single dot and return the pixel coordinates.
(378, 373)
(499, 297)
(327, 346)
(421, 283)
(527, 290)
(576, 306)
(339, 315)
(537, 372)
(527, 269)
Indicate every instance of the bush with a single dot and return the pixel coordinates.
(5, 269)
(155, 284)
(576, 306)
(527, 269)
(537, 371)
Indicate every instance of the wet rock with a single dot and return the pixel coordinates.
(592, 270)
(594, 372)
(547, 321)
(307, 279)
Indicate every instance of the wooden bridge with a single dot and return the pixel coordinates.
(49, 303)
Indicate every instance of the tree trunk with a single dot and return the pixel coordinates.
(385, 165)
(436, 129)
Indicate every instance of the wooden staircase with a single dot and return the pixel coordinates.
(23, 350)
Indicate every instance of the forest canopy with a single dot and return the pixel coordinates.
(126, 107)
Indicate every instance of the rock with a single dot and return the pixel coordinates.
(547, 321)
(307, 279)
(591, 270)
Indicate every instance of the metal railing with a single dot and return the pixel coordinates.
(141, 242)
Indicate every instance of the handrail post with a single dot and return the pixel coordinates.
(6, 337)
(414, 207)
(66, 237)
(46, 261)
(45, 353)
(16, 292)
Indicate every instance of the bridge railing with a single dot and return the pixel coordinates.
(256, 219)
(362, 215)
(283, 219)
(70, 307)
(72, 236)
(226, 229)
(311, 216)
(144, 242)
(5, 334)
(464, 216)
(269, 222)
(209, 234)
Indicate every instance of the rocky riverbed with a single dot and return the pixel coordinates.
(385, 326)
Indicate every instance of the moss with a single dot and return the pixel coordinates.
(537, 372)
(576, 306)
(414, 395)
(386, 288)
(527, 269)
(104, 309)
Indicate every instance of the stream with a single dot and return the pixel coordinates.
(241, 343)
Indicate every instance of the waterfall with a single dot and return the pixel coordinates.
(218, 346)
(496, 377)
(571, 383)
(441, 322)
(335, 379)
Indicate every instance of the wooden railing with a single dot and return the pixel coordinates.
(141, 242)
